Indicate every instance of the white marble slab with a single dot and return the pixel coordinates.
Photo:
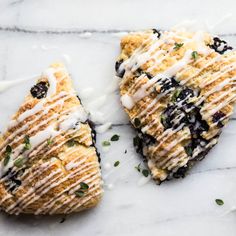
(114, 15)
(85, 36)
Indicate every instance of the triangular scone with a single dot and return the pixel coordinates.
(49, 164)
(178, 89)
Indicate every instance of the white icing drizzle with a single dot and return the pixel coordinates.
(97, 116)
(110, 186)
(76, 162)
(127, 101)
(98, 102)
(51, 202)
(55, 147)
(79, 115)
(142, 86)
(93, 194)
(59, 127)
(103, 128)
(72, 118)
(50, 75)
(37, 108)
(143, 180)
(60, 196)
(87, 93)
(107, 166)
(179, 65)
(44, 186)
(44, 182)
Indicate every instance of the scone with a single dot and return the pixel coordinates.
(49, 164)
(178, 89)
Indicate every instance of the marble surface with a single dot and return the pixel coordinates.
(85, 36)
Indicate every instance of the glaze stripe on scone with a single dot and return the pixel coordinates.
(49, 163)
(178, 89)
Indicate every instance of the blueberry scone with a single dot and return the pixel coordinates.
(49, 164)
(178, 89)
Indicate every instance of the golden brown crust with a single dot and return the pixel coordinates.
(189, 66)
(60, 172)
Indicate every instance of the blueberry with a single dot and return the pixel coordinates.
(216, 118)
(148, 139)
(15, 184)
(167, 84)
(165, 120)
(181, 172)
(191, 118)
(39, 90)
(189, 149)
(220, 46)
(169, 110)
(188, 106)
(201, 126)
(220, 124)
(195, 142)
(148, 75)
(157, 32)
(12, 179)
(198, 142)
(184, 94)
(120, 73)
(138, 145)
(139, 72)
(198, 127)
(172, 117)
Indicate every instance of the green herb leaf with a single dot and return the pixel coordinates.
(106, 143)
(8, 155)
(137, 122)
(26, 139)
(163, 119)
(195, 55)
(6, 160)
(115, 137)
(79, 193)
(219, 202)
(188, 150)
(49, 141)
(136, 141)
(62, 220)
(175, 95)
(27, 143)
(19, 162)
(8, 149)
(178, 46)
(27, 146)
(116, 163)
(138, 167)
(70, 143)
(145, 172)
(83, 186)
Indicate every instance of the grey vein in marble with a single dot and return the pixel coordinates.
(31, 38)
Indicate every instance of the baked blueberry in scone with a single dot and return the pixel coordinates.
(178, 89)
(49, 163)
